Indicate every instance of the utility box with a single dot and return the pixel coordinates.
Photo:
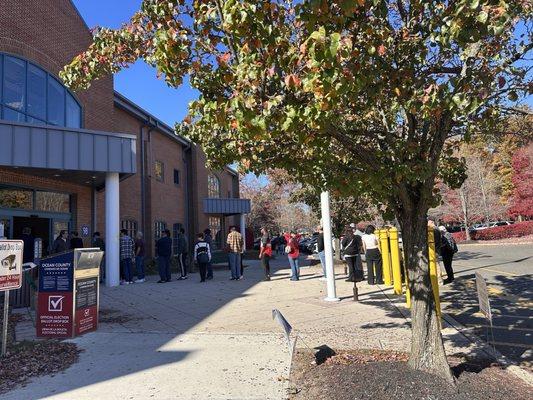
(69, 293)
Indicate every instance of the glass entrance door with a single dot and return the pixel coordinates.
(5, 226)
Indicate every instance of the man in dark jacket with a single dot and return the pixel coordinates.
(209, 240)
(321, 251)
(29, 245)
(75, 241)
(60, 244)
(163, 249)
(183, 251)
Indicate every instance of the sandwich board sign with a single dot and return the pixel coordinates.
(11, 264)
(483, 297)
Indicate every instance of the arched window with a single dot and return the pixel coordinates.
(213, 186)
(159, 227)
(30, 94)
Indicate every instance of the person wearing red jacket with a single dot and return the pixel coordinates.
(293, 252)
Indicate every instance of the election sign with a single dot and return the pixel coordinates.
(11, 264)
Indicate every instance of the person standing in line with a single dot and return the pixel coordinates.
(235, 244)
(139, 257)
(359, 259)
(126, 256)
(265, 252)
(351, 244)
(321, 252)
(75, 241)
(183, 252)
(447, 250)
(163, 251)
(437, 238)
(293, 253)
(209, 240)
(202, 255)
(60, 243)
(373, 256)
(28, 253)
(99, 243)
(281, 244)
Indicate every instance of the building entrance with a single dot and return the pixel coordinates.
(40, 228)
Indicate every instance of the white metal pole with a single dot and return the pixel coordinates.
(112, 233)
(243, 230)
(326, 226)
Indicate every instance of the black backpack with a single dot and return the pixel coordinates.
(201, 255)
(448, 243)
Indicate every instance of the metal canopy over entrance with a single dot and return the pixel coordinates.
(56, 148)
(227, 206)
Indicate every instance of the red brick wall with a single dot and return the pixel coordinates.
(50, 34)
(167, 198)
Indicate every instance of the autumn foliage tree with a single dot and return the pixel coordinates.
(522, 197)
(347, 95)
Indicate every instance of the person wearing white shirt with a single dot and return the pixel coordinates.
(373, 256)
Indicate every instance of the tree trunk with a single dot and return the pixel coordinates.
(464, 206)
(427, 348)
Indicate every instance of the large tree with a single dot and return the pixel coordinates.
(348, 95)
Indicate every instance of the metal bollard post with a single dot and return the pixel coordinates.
(385, 256)
(433, 275)
(395, 261)
(355, 290)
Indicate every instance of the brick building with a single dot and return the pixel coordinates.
(93, 160)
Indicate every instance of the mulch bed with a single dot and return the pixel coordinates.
(25, 360)
(377, 375)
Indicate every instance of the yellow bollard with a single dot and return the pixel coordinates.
(395, 261)
(433, 272)
(407, 290)
(385, 256)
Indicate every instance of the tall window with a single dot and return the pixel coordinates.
(159, 227)
(176, 177)
(215, 224)
(130, 225)
(30, 94)
(159, 171)
(213, 186)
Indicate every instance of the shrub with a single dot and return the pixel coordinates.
(518, 229)
(503, 232)
(459, 236)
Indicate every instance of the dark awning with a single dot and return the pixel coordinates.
(227, 206)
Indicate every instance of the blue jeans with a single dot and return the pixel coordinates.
(163, 264)
(235, 264)
(295, 269)
(139, 264)
(322, 257)
(126, 269)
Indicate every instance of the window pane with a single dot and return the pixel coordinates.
(16, 198)
(32, 120)
(159, 169)
(215, 224)
(12, 115)
(36, 92)
(56, 102)
(14, 82)
(50, 201)
(213, 187)
(73, 113)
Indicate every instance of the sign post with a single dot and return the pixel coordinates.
(484, 302)
(328, 248)
(10, 277)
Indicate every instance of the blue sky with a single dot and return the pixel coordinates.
(138, 82)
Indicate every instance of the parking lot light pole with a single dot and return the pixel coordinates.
(328, 248)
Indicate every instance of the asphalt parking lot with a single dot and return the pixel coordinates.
(508, 271)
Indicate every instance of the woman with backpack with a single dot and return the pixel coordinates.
(447, 250)
(351, 245)
(202, 256)
(293, 252)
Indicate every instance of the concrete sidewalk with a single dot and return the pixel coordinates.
(217, 340)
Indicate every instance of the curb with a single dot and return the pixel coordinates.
(510, 366)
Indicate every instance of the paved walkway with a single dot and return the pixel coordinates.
(217, 340)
